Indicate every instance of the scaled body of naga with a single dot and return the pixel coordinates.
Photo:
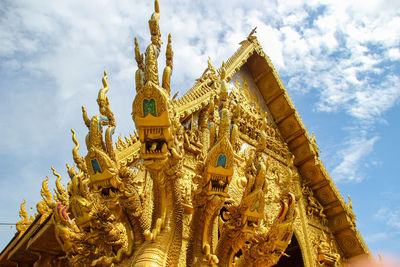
(268, 245)
(161, 138)
(241, 221)
(112, 216)
(215, 176)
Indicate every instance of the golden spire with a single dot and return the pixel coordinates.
(169, 53)
(154, 23)
(166, 80)
(225, 114)
(138, 56)
(153, 50)
(139, 76)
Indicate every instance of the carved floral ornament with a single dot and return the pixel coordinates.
(224, 176)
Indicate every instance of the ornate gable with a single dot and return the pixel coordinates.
(225, 175)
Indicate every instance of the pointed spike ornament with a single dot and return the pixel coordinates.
(102, 98)
(166, 79)
(224, 85)
(225, 114)
(85, 117)
(153, 50)
(61, 193)
(139, 76)
(79, 161)
(104, 103)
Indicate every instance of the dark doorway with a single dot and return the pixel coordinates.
(295, 259)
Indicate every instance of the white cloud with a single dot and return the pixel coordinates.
(394, 53)
(351, 159)
(391, 216)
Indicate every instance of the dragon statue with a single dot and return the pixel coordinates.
(161, 138)
(267, 245)
(126, 206)
(216, 174)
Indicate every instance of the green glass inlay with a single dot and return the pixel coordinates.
(221, 161)
(95, 166)
(149, 106)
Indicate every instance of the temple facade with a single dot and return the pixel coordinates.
(226, 175)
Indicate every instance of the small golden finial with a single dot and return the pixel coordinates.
(71, 171)
(77, 146)
(139, 75)
(169, 53)
(166, 79)
(223, 70)
(22, 211)
(250, 37)
(45, 206)
(225, 114)
(45, 192)
(85, 117)
(153, 50)
(210, 66)
(314, 144)
(154, 25)
(104, 80)
(138, 56)
(25, 221)
(157, 6)
(253, 31)
(104, 104)
(350, 203)
(102, 99)
(80, 163)
(61, 193)
(224, 85)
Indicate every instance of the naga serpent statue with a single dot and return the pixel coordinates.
(124, 205)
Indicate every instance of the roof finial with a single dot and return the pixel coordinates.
(139, 76)
(153, 50)
(166, 79)
(102, 98)
(155, 26)
(253, 31)
(138, 56)
(169, 53)
(104, 104)
(250, 37)
(224, 85)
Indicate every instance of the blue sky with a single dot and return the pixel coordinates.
(339, 61)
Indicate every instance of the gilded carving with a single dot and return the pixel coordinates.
(205, 180)
(25, 221)
(314, 208)
(46, 205)
(325, 254)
